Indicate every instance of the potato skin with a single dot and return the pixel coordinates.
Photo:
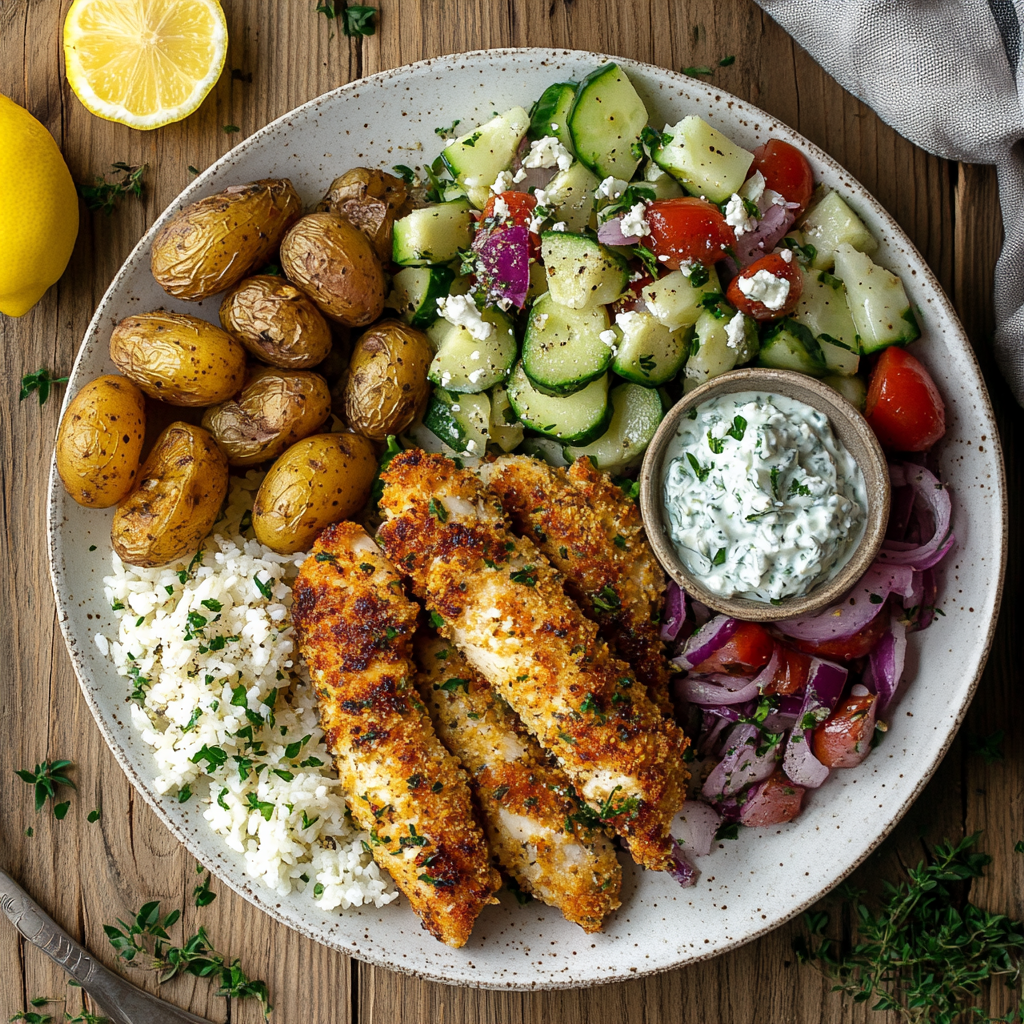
(385, 387)
(178, 358)
(372, 200)
(99, 441)
(275, 409)
(335, 265)
(276, 322)
(318, 481)
(182, 486)
(212, 244)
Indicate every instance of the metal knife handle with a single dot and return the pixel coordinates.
(121, 1001)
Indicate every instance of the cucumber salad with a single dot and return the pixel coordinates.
(577, 269)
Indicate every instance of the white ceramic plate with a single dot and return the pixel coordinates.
(748, 887)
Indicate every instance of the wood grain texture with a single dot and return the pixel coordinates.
(88, 874)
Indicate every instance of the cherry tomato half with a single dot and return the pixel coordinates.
(848, 647)
(791, 675)
(688, 228)
(520, 211)
(786, 171)
(904, 407)
(777, 266)
(778, 800)
(843, 740)
(750, 647)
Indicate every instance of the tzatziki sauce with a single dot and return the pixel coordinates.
(763, 500)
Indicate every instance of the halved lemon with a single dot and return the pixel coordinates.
(144, 63)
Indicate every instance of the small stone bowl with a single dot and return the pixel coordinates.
(849, 426)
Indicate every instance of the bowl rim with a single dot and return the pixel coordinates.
(826, 400)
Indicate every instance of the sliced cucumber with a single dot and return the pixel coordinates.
(415, 291)
(832, 223)
(791, 346)
(506, 431)
(675, 301)
(851, 388)
(823, 310)
(478, 157)
(578, 418)
(546, 449)
(703, 160)
(454, 192)
(878, 301)
(538, 281)
(563, 349)
(550, 114)
(581, 272)
(571, 193)
(711, 355)
(647, 352)
(605, 121)
(663, 184)
(747, 343)
(468, 365)
(432, 234)
(636, 413)
(460, 421)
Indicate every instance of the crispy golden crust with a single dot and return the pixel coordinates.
(594, 534)
(355, 626)
(537, 828)
(503, 605)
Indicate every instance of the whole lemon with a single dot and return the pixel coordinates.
(39, 221)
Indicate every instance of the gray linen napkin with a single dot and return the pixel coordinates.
(945, 74)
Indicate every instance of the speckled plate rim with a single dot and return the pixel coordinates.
(622, 969)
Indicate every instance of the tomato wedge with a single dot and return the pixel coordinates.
(904, 407)
(786, 171)
(791, 675)
(849, 647)
(688, 229)
(520, 212)
(843, 740)
(777, 266)
(749, 648)
(777, 800)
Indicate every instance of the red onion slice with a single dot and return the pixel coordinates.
(767, 674)
(929, 496)
(825, 683)
(681, 869)
(695, 826)
(504, 264)
(708, 639)
(888, 660)
(741, 765)
(610, 233)
(675, 611)
(771, 229)
(699, 690)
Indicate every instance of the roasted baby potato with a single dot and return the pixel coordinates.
(100, 440)
(276, 322)
(385, 387)
(182, 486)
(275, 409)
(211, 245)
(318, 481)
(178, 358)
(371, 200)
(332, 261)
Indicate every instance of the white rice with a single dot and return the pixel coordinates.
(219, 677)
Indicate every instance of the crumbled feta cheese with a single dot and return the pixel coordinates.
(461, 311)
(541, 196)
(500, 208)
(554, 127)
(736, 331)
(476, 375)
(775, 198)
(686, 267)
(519, 176)
(637, 275)
(536, 224)
(634, 224)
(626, 319)
(540, 321)
(446, 378)
(547, 152)
(787, 255)
(766, 288)
(475, 354)
(559, 226)
(471, 445)
(753, 187)
(611, 188)
(609, 337)
(663, 258)
(456, 408)
(502, 183)
(736, 215)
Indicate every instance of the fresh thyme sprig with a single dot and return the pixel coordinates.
(357, 20)
(39, 382)
(104, 195)
(46, 777)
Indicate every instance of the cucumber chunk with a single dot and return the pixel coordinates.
(832, 223)
(711, 355)
(675, 301)
(605, 122)
(460, 421)
(791, 346)
(550, 114)
(477, 158)
(647, 352)
(636, 413)
(546, 449)
(578, 418)
(506, 431)
(538, 281)
(432, 234)
(878, 301)
(851, 388)
(468, 365)
(563, 349)
(581, 272)
(661, 182)
(571, 193)
(703, 160)
(824, 311)
(415, 291)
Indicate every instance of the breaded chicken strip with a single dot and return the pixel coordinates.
(540, 833)
(503, 605)
(355, 625)
(594, 534)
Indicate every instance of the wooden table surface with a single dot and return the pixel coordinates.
(88, 874)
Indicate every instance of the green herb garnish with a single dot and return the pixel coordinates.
(39, 382)
(45, 778)
(105, 195)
